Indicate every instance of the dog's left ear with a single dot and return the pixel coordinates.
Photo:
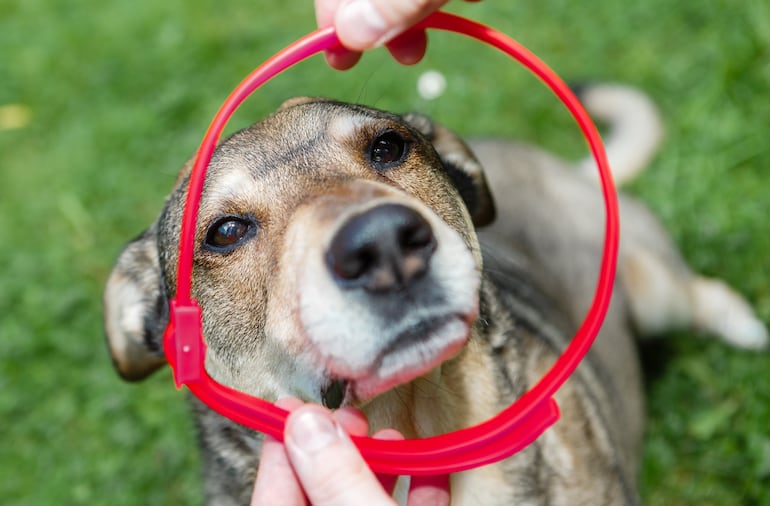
(136, 309)
(461, 165)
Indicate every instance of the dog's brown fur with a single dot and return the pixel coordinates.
(426, 341)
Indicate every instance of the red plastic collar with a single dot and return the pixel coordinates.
(500, 437)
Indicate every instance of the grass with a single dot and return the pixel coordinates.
(101, 102)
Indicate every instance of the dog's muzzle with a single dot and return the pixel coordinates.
(387, 295)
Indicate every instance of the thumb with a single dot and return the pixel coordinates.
(327, 463)
(364, 24)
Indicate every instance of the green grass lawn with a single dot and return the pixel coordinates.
(101, 102)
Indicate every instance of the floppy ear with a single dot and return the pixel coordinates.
(136, 309)
(462, 167)
(294, 101)
(291, 102)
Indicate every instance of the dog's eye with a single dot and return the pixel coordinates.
(226, 233)
(387, 150)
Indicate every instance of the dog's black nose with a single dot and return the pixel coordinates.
(382, 249)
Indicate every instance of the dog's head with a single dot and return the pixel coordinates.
(334, 247)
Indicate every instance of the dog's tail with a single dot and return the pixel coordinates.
(635, 128)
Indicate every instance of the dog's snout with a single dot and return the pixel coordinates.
(382, 249)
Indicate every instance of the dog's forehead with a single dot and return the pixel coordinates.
(294, 152)
(335, 119)
(301, 136)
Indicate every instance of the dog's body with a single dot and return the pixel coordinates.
(337, 261)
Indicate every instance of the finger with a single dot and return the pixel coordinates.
(289, 403)
(324, 11)
(364, 24)
(338, 58)
(276, 483)
(388, 481)
(433, 490)
(409, 47)
(328, 465)
(352, 420)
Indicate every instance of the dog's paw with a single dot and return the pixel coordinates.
(721, 311)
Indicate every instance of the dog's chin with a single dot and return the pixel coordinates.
(407, 358)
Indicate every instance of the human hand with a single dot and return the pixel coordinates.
(365, 24)
(318, 464)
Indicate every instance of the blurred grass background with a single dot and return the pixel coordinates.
(101, 103)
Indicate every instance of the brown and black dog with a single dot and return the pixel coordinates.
(337, 260)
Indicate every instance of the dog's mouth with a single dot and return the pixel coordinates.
(414, 353)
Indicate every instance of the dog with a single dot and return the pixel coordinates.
(350, 256)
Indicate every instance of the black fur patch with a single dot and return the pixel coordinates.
(465, 186)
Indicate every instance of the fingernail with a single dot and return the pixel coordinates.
(363, 26)
(311, 431)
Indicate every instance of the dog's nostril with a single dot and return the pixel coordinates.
(354, 263)
(415, 236)
(382, 249)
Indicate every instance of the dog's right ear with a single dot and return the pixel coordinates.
(461, 165)
(136, 309)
